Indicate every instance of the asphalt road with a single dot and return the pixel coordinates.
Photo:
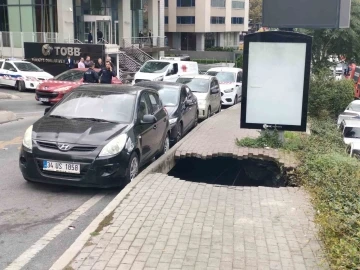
(28, 211)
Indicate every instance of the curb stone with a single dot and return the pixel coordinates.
(157, 166)
(7, 116)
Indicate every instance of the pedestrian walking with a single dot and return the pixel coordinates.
(150, 38)
(99, 35)
(107, 73)
(81, 63)
(99, 63)
(69, 62)
(91, 76)
(90, 37)
(87, 62)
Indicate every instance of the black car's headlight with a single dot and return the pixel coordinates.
(115, 146)
(27, 140)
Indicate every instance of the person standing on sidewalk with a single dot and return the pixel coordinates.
(87, 62)
(91, 76)
(69, 62)
(150, 38)
(99, 63)
(81, 63)
(107, 73)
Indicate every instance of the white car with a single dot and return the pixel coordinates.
(351, 131)
(230, 80)
(207, 91)
(21, 74)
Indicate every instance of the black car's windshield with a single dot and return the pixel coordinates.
(26, 66)
(169, 96)
(70, 76)
(154, 67)
(222, 76)
(352, 132)
(111, 107)
(196, 84)
(354, 107)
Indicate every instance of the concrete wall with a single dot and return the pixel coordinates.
(205, 54)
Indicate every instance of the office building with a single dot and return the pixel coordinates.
(200, 24)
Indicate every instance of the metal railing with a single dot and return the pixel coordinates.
(141, 42)
(134, 51)
(128, 63)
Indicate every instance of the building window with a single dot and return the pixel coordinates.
(186, 3)
(166, 3)
(238, 4)
(166, 21)
(237, 20)
(217, 20)
(218, 3)
(185, 19)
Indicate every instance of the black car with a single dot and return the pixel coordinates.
(180, 103)
(97, 135)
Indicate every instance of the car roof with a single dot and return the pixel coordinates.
(112, 88)
(229, 69)
(199, 76)
(355, 102)
(352, 123)
(158, 85)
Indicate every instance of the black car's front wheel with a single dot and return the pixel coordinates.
(132, 169)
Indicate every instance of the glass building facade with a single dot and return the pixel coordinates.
(28, 16)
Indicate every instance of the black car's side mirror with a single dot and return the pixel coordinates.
(149, 119)
(47, 110)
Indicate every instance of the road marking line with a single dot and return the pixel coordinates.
(17, 140)
(30, 253)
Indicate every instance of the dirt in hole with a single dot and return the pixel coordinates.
(230, 172)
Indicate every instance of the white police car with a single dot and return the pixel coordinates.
(21, 74)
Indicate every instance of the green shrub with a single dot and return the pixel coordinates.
(267, 138)
(333, 179)
(219, 49)
(328, 97)
(239, 61)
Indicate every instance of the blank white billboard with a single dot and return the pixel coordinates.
(275, 83)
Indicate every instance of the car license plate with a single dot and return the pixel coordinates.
(61, 167)
(44, 99)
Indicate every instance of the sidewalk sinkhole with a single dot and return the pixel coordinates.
(230, 172)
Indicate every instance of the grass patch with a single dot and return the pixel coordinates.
(332, 178)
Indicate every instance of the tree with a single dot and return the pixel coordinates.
(255, 11)
(344, 42)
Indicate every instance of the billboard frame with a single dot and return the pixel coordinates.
(276, 37)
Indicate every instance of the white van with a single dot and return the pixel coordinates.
(165, 70)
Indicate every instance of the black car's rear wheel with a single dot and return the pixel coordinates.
(132, 169)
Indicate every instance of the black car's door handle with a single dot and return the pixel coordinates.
(155, 127)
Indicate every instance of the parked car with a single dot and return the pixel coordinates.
(97, 135)
(165, 69)
(21, 74)
(230, 80)
(181, 105)
(52, 91)
(351, 131)
(345, 116)
(207, 91)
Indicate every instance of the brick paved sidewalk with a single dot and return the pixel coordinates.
(168, 223)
